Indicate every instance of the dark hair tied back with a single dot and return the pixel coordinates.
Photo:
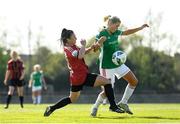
(65, 34)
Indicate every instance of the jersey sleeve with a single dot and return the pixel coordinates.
(8, 66)
(70, 53)
(119, 32)
(98, 36)
(41, 73)
(20, 64)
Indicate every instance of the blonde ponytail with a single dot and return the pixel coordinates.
(106, 18)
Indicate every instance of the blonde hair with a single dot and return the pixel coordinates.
(113, 19)
(14, 55)
(37, 67)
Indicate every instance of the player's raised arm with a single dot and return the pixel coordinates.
(82, 49)
(134, 30)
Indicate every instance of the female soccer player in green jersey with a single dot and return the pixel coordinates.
(37, 81)
(108, 45)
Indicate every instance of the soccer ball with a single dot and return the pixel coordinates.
(119, 57)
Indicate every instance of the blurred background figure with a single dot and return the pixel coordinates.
(37, 82)
(15, 71)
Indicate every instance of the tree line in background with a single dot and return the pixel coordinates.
(157, 71)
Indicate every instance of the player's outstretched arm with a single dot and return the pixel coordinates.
(89, 49)
(134, 30)
(99, 43)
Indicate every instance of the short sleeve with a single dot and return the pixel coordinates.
(119, 32)
(21, 64)
(98, 36)
(9, 67)
(71, 53)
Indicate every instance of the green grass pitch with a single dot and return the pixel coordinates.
(80, 113)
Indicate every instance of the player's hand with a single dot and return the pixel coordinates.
(144, 26)
(21, 78)
(96, 47)
(5, 82)
(83, 42)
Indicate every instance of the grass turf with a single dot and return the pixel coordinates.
(80, 113)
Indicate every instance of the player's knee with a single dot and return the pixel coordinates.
(103, 94)
(73, 100)
(135, 82)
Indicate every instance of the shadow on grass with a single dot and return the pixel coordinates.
(132, 117)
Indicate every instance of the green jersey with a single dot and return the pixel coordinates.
(108, 48)
(36, 77)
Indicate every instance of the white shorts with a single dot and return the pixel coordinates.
(37, 88)
(111, 73)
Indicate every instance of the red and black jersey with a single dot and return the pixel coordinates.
(15, 68)
(78, 68)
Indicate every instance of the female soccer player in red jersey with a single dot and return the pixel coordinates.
(15, 71)
(79, 74)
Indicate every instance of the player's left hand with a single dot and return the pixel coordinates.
(144, 26)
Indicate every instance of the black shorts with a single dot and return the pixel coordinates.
(16, 82)
(89, 81)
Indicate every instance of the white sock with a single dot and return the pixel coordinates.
(98, 101)
(127, 94)
(105, 101)
(34, 99)
(38, 99)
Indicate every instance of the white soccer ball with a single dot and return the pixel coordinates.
(119, 57)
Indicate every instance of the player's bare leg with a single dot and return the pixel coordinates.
(21, 97)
